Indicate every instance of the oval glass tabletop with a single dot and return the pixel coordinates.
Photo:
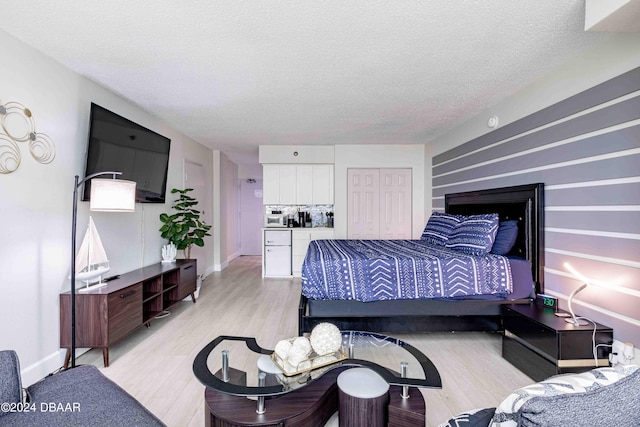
(239, 366)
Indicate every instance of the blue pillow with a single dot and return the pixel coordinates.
(506, 237)
(474, 235)
(439, 227)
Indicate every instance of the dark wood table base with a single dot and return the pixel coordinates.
(310, 406)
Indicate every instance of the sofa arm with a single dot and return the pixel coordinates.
(10, 382)
(83, 396)
(602, 396)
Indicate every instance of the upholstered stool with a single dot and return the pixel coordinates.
(364, 398)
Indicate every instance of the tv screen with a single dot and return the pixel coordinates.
(120, 145)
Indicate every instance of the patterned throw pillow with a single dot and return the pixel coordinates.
(439, 227)
(473, 418)
(474, 235)
(585, 399)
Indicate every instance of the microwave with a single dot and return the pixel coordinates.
(275, 220)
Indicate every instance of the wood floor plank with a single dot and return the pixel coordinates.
(155, 364)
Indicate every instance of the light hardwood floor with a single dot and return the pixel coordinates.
(155, 364)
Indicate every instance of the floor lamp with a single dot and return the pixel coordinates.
(107, 195)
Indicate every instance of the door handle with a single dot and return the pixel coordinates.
(127, 294)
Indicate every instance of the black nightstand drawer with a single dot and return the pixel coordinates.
(537, 336)
(528, 361)
(541, 344)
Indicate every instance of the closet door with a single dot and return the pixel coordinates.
(379, 204)
(363, 206)
(395, 203)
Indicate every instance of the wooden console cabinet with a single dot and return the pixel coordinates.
(109, 313)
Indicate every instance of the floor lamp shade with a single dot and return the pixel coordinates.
(112, 195)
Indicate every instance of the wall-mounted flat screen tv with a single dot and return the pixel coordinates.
(120, 145)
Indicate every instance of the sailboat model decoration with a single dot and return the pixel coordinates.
(91, 261)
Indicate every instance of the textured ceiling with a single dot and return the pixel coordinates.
(237, 74)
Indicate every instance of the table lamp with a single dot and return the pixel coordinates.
(573, 319)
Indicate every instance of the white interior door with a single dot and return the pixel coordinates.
(379, 203)
(395, 203)
(363, 211)
(251, 216)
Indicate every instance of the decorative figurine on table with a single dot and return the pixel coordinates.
(169, 253)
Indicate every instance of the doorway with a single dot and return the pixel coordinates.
(251, 217)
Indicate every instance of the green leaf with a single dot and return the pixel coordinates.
(183, 227)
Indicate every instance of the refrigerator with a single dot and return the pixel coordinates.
(277, 252)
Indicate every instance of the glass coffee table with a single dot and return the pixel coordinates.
(245, 387)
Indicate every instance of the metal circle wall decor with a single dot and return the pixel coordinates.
(42, 148)
(18, 125)
(9, 155)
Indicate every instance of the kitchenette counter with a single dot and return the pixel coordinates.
(287, 246)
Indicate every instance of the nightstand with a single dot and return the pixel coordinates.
(541, 344)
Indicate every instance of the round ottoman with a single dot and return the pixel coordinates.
(363, 398)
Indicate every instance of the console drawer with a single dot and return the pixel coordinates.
(125, 311)
(188, 275)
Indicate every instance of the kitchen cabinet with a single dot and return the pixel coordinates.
(287, 184)
(322, 189)
(270, 184)
(301, 239)
(304, 185)
(277, 253)
(290, 184)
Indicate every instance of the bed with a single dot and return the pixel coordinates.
(418, 305)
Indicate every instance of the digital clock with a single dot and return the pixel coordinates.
(547, 301)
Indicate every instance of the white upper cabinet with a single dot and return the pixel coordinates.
(322, 184)
(304, 185)
(271, 184)
(297, 184)
(287, 184)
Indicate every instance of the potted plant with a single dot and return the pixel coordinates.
(184, 228)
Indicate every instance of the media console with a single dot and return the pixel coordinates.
(111, 312)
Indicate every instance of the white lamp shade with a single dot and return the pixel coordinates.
(113, 195)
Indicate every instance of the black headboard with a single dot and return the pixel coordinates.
(524, 203)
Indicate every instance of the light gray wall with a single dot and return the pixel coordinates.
(35, 203)
(584, 145)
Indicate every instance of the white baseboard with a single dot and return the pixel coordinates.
(37, 371)
(225, 263)
(209, 270)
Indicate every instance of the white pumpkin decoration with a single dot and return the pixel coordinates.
(283, 347)
(301, 345)
(326, 338)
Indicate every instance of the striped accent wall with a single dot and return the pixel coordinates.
(586, 150)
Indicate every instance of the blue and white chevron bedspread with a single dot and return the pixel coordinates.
(373, 270)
